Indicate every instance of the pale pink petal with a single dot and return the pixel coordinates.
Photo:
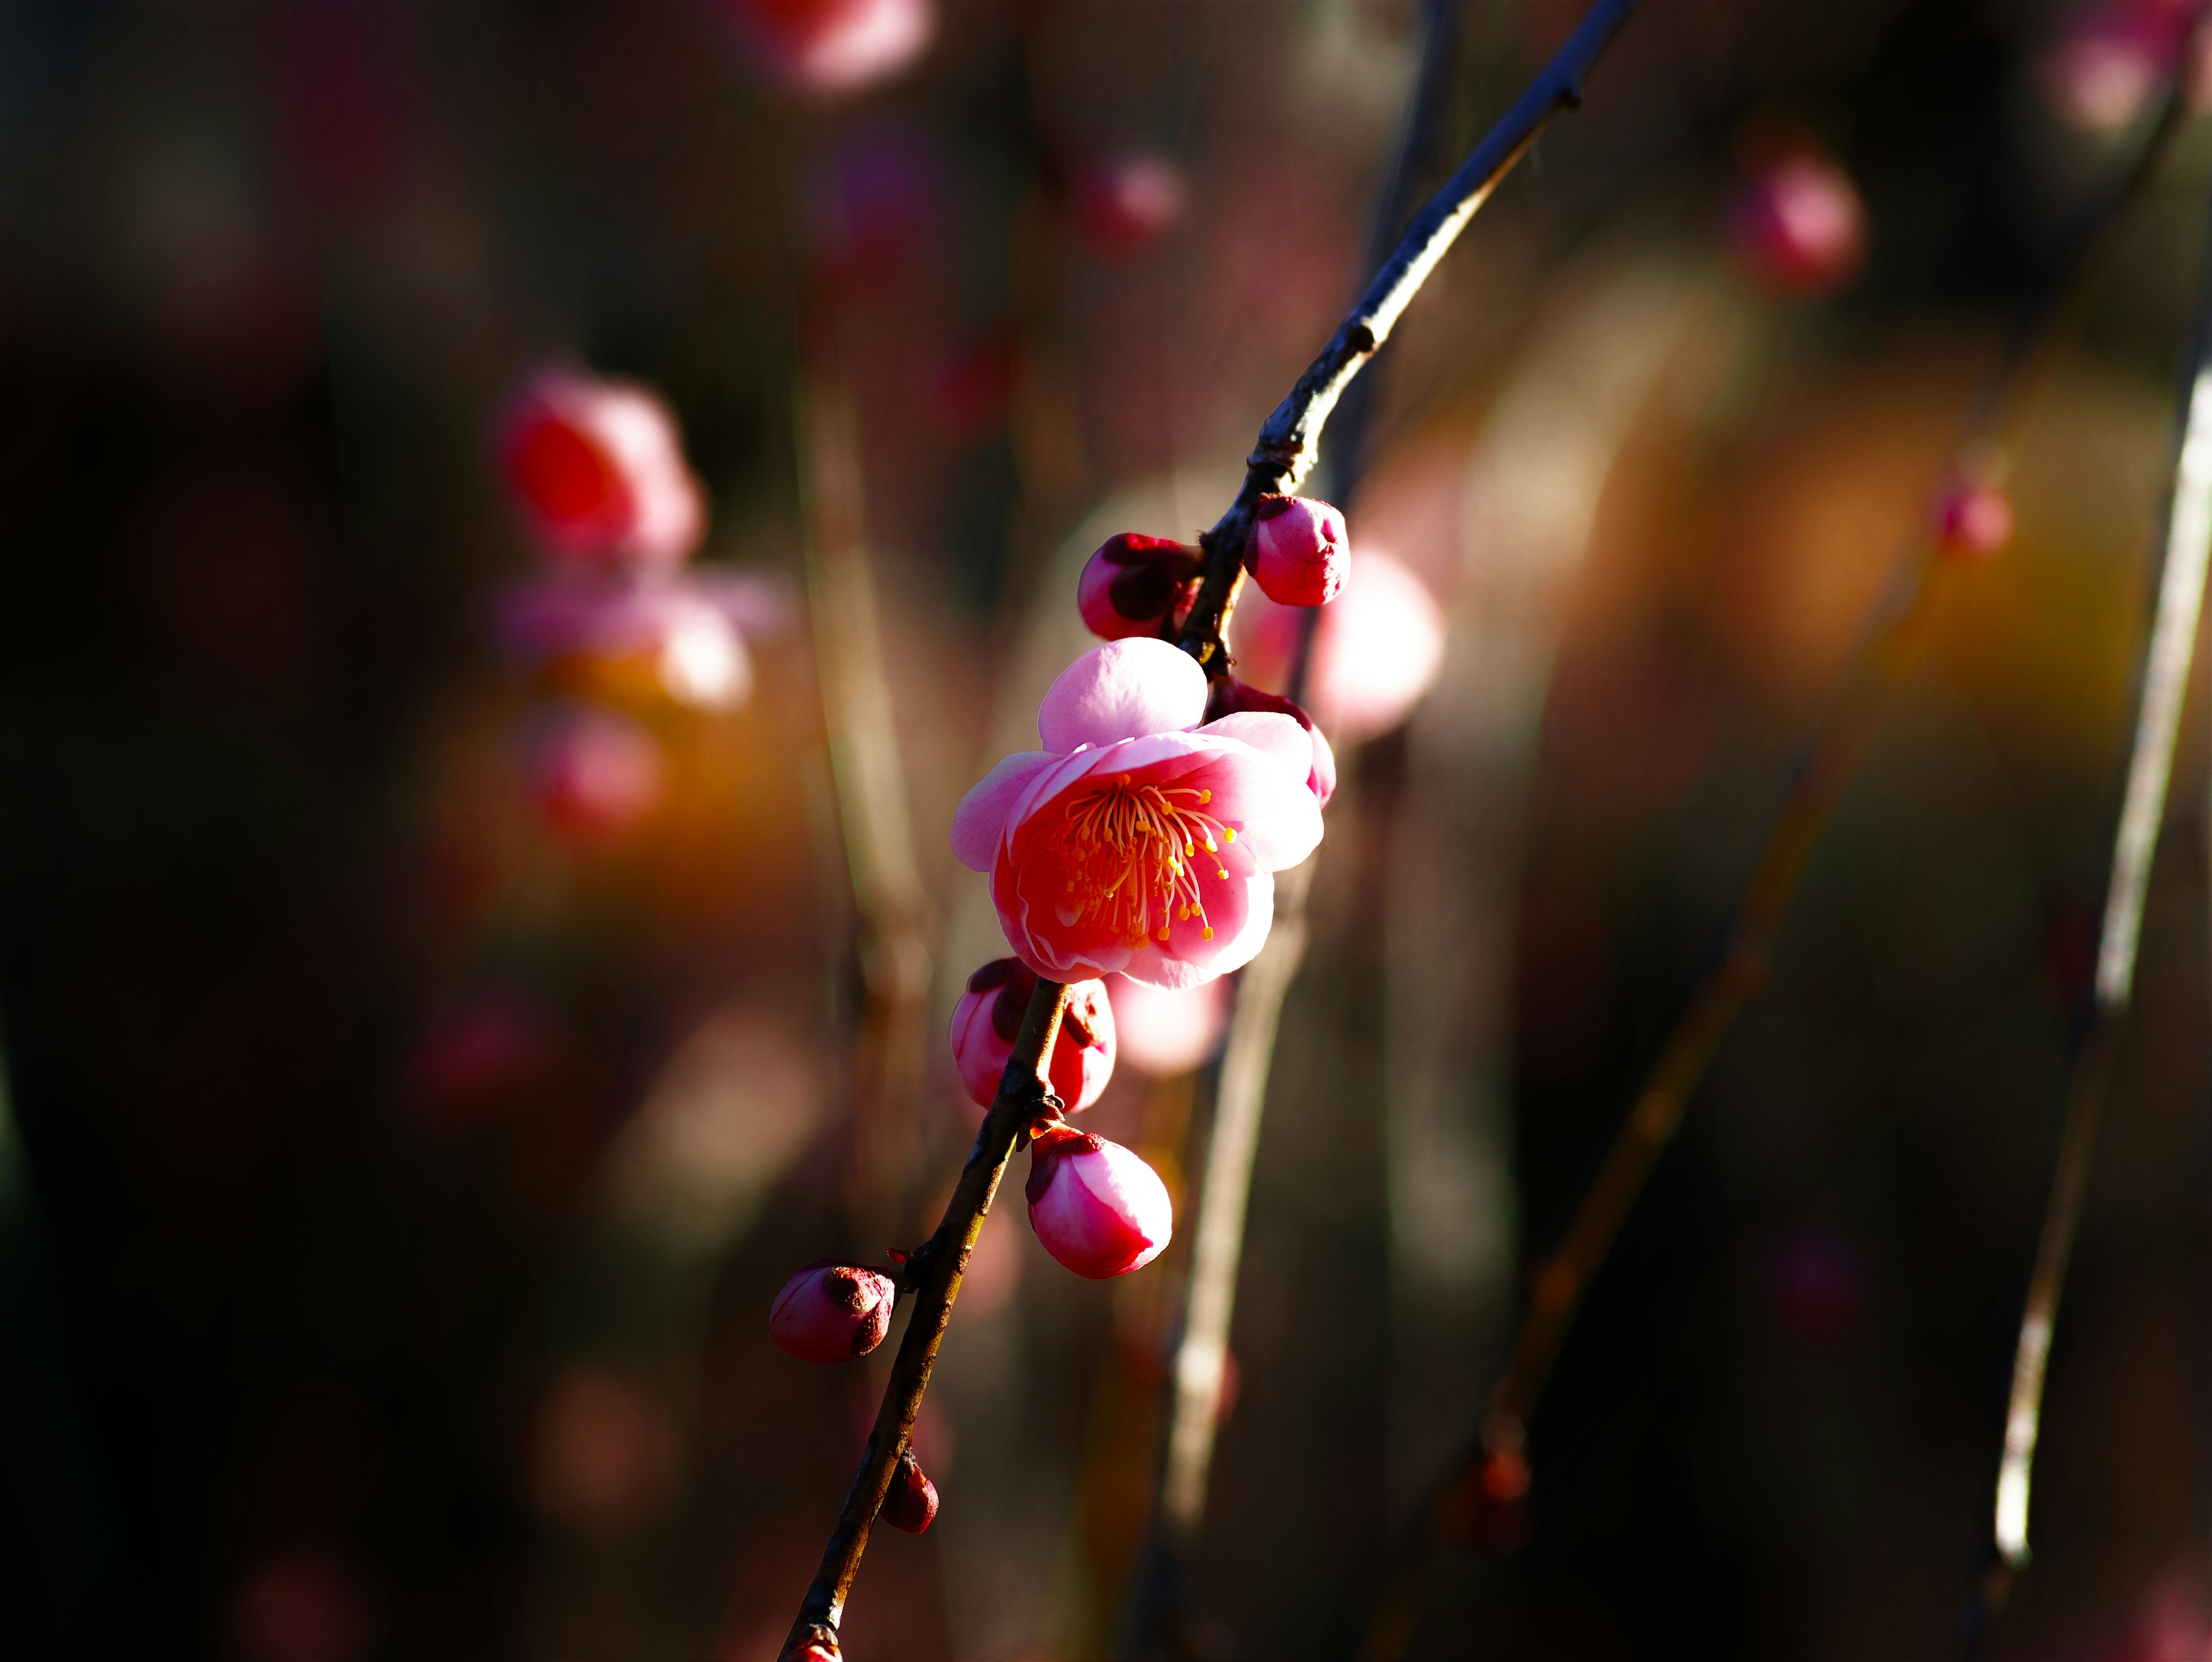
(1279, 736)
(1122, 690)
(1278, 820)
(980, 822)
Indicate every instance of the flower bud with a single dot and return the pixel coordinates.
(832, 1312)
(1800, 225)
(1098, 1209)
(1132, 583)
(1973, 521)
(911, 1504)
(1300, 553)
(988, 1018)
(1228, 695)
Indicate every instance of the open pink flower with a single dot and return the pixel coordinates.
(596, 468)
(691, 627)
(1138, 840)
(1097, 1208)
(988, 1018)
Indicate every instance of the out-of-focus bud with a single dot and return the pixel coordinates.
(1973, 521)
(911, 1504)
(1126, 205)
(1099, 1209)
(988, 1018)
(683, 636)
(832, 1312)
(1163, 1031)
(1376, 649)
(1300, 553)
(2107, 66)
(824, 48)
(1228, 695)
(596, 468)
(1132, 583)
(594, 772)
(1799, 225)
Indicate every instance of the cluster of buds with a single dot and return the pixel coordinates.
(989, 1015)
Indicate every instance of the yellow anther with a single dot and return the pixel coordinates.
(1207, 934)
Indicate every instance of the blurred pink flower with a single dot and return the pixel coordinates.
(596, 468)
(988, 1017)
(1164, 1033)
(1377, 647)
(594, 772)
(1129, 202)
(2113, 58)
(1098, 1209)
(606, 1456)
(692, 625)
(822, 48)
(1799, 225)
(1973, 521)
(1137, 840)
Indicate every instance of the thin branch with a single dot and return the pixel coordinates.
(1284, 456)
(1457, 1495)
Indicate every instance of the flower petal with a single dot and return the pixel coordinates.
(980, 822)
(1279, 736)
(1123, 690)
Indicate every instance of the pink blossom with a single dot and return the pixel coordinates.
(1098, 1209)
(690, 627)
(1136, 839)
(2111, 58)
(1230, 695)
(594, 771)
(1973, 521)
(1799, 225)
(1164, 1032)
(1127, 204)
(1300, 553)
(911, 1504)
(988, 1017)
(832, 1312)
(1132, 583)
(596, 468)
(827, 47)
(1376, 648)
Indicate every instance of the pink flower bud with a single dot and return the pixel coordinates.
(1228, 695)
(825, 47)
(832, 1312)
(911, 1503)
(594, 773)
(1132, 583)
(596, 468)
(1300, 553)
(1973, 521)
(1126, 205)
(1098, 1209)
(811, 1650)
(988, 1018)
(1800, 225)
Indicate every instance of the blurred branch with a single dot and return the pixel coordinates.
(1285, 454)
(2165, 680)
(1477, 1480)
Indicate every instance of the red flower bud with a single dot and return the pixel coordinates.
(1973, 521)
(1098, 1209)
(1300, 553)
(911, 1504)
(1228, 695)
(1132, 583)
(832, 1312)
(988, 1017)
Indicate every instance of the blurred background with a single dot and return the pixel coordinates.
(433, 1033)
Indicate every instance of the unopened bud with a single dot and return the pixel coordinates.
(988, 1018)
(1099, 1209)
(1229, 695)
(832, 1312)
(1131, 584)
(1973, 521)
(911, 1504)
(1300, 552)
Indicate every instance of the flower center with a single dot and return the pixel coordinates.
(1132, 856)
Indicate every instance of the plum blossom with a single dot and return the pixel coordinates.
(1137, 840)
(1230, 695)
(689, 629)
(1377, 647)
(1974, 520)
(2113, 58)
(827, 47)
(1098, 1209)
(597, 469)
(988, 1018)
